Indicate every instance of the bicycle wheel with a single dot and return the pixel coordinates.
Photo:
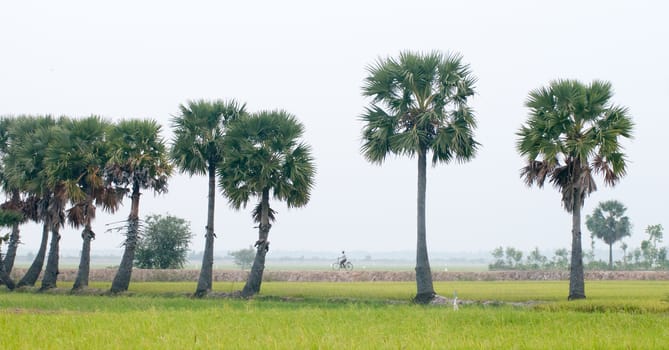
(335, 266)
(348, 266)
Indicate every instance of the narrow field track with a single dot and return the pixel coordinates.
(140, 275)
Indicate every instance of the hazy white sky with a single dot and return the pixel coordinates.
(141, 59)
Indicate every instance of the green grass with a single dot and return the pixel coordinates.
(369, 315)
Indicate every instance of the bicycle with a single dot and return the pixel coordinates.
(347, 266)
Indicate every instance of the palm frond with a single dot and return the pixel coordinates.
(10, 217)
(257, 211)
(536, 172)
(76, 216)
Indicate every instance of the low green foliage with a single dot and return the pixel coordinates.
(164, 244)
(243, 257)
(291, 315)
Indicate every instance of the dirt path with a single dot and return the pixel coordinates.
(359, 276)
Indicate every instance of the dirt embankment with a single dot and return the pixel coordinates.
(141, 275)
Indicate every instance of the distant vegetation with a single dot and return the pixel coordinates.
(243, 257)
(649, 256)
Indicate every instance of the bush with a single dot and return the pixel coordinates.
(164, 244)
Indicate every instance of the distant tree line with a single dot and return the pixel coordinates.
(510, 258)
(649, 256)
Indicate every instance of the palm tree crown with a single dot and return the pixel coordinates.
(609, 223)
(24, 164)
(419, 103)
(198, 132)
(138, 155)
(263, 152)
(77, 157)
(572, 132)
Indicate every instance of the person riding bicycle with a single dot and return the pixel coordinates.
(342, 259)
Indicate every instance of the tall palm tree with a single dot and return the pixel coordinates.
(57, 185)
(38, 146)
(263, 157)
(24, 165)
(609, 223)
(572, 133)
(419, 105)
(14, 203)
(138, 159)
(196, 150)
(77, 158)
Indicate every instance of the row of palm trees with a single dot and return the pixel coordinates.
(419, 106)
(59, 170)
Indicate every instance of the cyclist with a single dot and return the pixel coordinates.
(342, 259)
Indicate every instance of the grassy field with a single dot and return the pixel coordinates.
(368, 315)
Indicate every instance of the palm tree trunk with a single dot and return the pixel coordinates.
(204, 282)
(124, 273)
(425, 290)
(611, 256)
(12, 246)
(33, 272)
(576, 277)
(55, 211)
(51, 271)
(6, 279)
(83, 272)
(4, 276)
(87, 236)
(14, 237)
(254, 280)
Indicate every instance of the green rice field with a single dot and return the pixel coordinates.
(364, 315)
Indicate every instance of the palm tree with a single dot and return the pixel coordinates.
(24, 165)
(56, 183)
(573, 132)
(42, 141)
(77, 158)
(14, 202)
(263, 157)
(609, 223)
(419, 105)
(7, 218)
(138, 159)
(196, 150)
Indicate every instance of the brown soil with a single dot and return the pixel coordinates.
(141, 275)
